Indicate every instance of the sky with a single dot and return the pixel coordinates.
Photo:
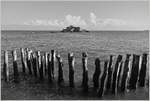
(91, 15)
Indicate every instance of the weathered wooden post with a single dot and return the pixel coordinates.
(85, 72)
(118, 75)
(96, 73)
(147, 72)
(134, 72)
(115, 74)
(46, 63)
(60, 70)
(6, 69)
(147, 82)
(34, 62)
(29, 64)
(31, 61)
(142, 74)
(102, 87)
(23, 60)
(41, 71)
(71, 61)
(49, 68)
(15, 66)
(109, 81)
(26, 55)
(52, 62)
(43, 60)
(125, 73)
(39, 63)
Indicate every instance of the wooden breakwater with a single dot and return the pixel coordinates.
(129, 73)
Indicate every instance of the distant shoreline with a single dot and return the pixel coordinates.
(75, 32)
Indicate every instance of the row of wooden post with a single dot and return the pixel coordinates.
(113, 79)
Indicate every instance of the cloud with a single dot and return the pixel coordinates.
(107, 21)
(114, 22)
(38, 22)
(75, 20)
(92, 22)
(68, 20)
(55, 22)
(93, 18)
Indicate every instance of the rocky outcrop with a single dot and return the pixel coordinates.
(72, 28)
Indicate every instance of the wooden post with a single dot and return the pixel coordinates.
(85, 72)
(147, 72)
(23, 60)
(147, 82)
(115, 74)
(134, 72)
(34, 64)
(60, 70)
(41, 67)
(71, 61)
(142, 74)
(6, 69)
(49, 68)
(43, 62)
(15, 66)
(46, 63)
(39, 63)
(96, 73)
(52, 62)
(109, 81)
(26, 56)
(125, 73)
(31, 60)
(102, 87)
(119, 73)
(29, 64)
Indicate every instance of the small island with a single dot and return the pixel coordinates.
(72, 28)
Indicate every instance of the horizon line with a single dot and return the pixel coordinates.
(71, 0)
(73, 32)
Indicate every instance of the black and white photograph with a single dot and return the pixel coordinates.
(75, 49)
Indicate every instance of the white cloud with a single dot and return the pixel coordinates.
(44, 22)
(55, 22)
(93, 18)
(75, 20)
(114, 22)
(93, 22)
(69, 20)
(39, 22)
(107, 21)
